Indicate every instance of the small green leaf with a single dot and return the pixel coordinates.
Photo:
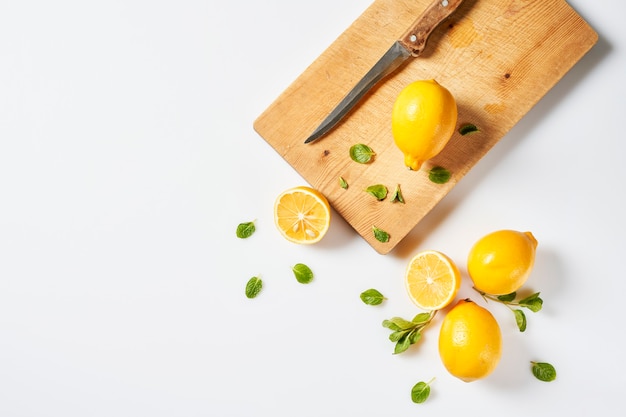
(530, 299)
(303, 273)
(533, 302)
(397, 335)
(403, 344)
(380, 234)
(507, 297)
(361, 153)
(397, 195)
(343, 183)
(543, 371)
(378, 190)
(253, 287)
(420, 392)
(245, 230)
(401, 323)
(414, 336)
(422, 318)
(439, 175)
(372, 297)
(520, 319)
(468, 128)
(389, 324)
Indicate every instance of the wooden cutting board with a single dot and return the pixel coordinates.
(497, 57)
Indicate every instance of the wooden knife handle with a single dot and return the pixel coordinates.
(414, 39)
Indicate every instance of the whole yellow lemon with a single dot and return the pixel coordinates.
(500, 262)
(423, 119)
(470, 341)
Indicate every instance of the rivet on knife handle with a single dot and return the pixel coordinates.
(414, 39)
(410, 44)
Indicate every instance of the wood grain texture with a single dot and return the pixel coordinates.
(497, 57)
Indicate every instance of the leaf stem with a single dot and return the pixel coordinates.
(533, 302)
(495, 298)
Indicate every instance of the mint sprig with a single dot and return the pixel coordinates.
(533, 303)
(405, 333)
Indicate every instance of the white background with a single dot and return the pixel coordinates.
(127, 159)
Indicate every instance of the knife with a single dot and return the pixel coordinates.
(409, 45)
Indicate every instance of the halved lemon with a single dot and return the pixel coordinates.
(432, 280)
(302, 215)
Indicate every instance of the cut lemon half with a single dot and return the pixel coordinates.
(432, 280)
(302, 215)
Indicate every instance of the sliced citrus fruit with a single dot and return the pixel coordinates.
(432, 280)
(302, 215)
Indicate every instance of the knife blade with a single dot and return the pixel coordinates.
(410, 45)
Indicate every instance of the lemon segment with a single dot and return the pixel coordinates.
(302, 215)
(423, 119)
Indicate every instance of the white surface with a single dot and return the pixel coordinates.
(127, 159)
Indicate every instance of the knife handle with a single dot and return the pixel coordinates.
(414, 39)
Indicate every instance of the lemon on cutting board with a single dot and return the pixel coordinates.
(423, 119)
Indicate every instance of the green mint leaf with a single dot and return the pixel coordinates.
(343, 183)
(520, 319)
(253, 287)
(404, 332)
(422, 318)
(379, 191)
(403, 344)
(468, 128)
(402, 323)
(397, 195)
(361, 153)
(439, 175)
(420, 392)
(380, 235)
(543, 371)
(245, 230)
(391, 325)
(415, 336)
(303, 273)
(507, 297)
(533, 302)
(372, 297)
(397, 335)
